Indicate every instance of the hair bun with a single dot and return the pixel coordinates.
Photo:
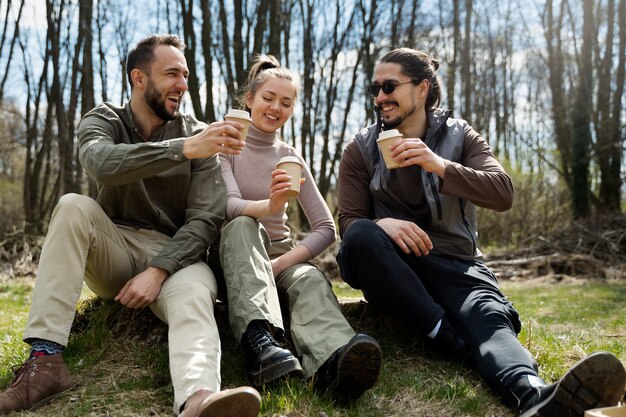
(265, 65)
(434, 63)
(265, 62)
(261, 62)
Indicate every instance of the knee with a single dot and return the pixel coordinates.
(238, 229)
(304, 279)
(73, 210)
(241, 224)
(364, 242)
(360, 234)
(181, 299)
(76, 203)
(494, 314)
(309, 286)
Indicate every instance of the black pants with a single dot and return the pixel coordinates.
(423, 289)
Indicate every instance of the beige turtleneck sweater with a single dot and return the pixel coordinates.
(248, 177)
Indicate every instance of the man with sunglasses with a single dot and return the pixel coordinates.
(409, 242)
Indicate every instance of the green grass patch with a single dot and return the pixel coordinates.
(343, 290)
(14, 305)
(120, 363)
(563, 322)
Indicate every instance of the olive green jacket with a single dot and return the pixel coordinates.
(151, 184)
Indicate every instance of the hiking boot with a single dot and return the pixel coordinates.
(449, 342)
(37, 381)
(266, 360)
(596, 381)
(352, 369)
(236, 402)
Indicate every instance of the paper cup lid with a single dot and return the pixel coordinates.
(289, 159)
(241, 114)
(389, 134)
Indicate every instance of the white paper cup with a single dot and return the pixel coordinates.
(240, 116)
(385, 139)
(293, 166)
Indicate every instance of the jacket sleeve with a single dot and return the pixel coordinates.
(353, 192)
(206, 206)
(479, 178)
(109, 162)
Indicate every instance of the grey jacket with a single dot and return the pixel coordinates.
(452, 225)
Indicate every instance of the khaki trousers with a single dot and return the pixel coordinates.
(83, 243)
(318, 327)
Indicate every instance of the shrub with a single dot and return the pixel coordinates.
(540, 206)
(11, 208)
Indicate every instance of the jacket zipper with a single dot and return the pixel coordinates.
(433, 189)
(468, 229)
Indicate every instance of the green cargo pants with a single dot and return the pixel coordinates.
(318, 327)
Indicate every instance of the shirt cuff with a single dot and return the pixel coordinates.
(170, 265)
(175, 150)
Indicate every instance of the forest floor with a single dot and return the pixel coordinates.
(572, 301)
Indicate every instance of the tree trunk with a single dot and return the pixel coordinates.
(275, 28)
(614, 178)
(228, 69)
(411, 31)
(334, 81)
(38, 150)
(557, 86)
(88, 100)
(451, 74)
(609, 108)
(189, 38)
(102, 57)
(16, 32)
(306, 8)
(54, 15)
(466, 75)
(207, 52)
(325, 186)
(369, 48)
(239, 49)
(581, 120)
(260, 27)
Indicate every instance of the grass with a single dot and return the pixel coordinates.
(119, 357)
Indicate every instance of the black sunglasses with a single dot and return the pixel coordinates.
(388, 87)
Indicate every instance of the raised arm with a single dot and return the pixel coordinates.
(480, 178)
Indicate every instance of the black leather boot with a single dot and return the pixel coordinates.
(266, 360)
(596, 381)
(352, 369)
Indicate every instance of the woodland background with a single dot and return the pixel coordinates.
(542, 80)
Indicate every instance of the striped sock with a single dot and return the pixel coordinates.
(41, 347)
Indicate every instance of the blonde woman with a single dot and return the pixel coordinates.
(260, 259)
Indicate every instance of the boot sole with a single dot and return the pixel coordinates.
(46, 400)
(287, 367)
(238, 402)
(596, 381)
(358, 368)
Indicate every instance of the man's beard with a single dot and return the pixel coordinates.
(393, 123)
(157, 103)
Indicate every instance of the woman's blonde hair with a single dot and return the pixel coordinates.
(266, 67)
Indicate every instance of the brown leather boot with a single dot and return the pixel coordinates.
(236, 402)
(37, 381)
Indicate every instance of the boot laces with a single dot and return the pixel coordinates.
(259, 339)
(20, 369)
